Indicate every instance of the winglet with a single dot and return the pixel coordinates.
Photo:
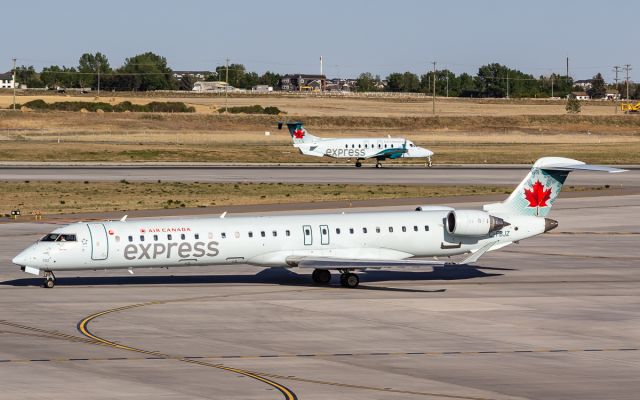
(223, 215)
(123, 218)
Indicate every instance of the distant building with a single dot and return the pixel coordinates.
(196, 74)
(579, 96)
(262, 88)
(302, 82)
(612, 94)
(217, 86)
(585, 84)
(6, 80)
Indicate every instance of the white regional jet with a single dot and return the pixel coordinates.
(358, 148)
(345, 242)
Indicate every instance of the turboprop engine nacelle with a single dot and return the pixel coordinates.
(473, 223)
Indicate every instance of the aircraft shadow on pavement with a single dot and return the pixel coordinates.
(280, 276)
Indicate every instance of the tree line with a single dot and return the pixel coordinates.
(149, 71)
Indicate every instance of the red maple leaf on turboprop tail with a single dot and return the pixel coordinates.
(298, 134)
(538, 195)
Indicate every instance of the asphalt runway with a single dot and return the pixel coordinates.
(304, 174)
(554, 317)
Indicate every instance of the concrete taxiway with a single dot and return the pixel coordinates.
(554, 317)
(453, 175)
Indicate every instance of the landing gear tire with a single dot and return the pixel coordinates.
(429, 164)
(378, 165)
(349, 280)
(321, 276)
(358, 164)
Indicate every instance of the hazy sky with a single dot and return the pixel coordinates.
(353, 36)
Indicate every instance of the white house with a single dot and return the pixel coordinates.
(6, 80)
(585, 84)
(579, 96)
(612, 94)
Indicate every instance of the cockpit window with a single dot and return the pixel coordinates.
(56, 237)
(52, 237)
(66, 238)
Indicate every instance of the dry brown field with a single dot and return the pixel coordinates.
(463, 131)
(51, 197)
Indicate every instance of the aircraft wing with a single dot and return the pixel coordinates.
(351, 264)
(391, 152)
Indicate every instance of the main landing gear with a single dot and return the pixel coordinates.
(359, 162)
(321, 276)
(49, 280)
(347, 279)
(378, 164)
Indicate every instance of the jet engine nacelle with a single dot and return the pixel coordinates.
(473, 223)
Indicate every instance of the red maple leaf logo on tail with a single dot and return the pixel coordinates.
(538, 195)
(298, 134)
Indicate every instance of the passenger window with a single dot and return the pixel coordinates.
(324, 231)
(169, 236)
(426, 228)
(358, 145)
(250, 234)
(364, 230)
(404, 229)
(307, 232)
(210, 235)
(142, 238)
(346, 146)
(183, 236)
(415, 228)
(130, 238)
(275, 233)
(223, 235)
(287, 233)
(196, 236)
(155, 238)
(353, 146)
(377, 229)
(263, 234)
(117, 239)
(379, 146)
(365, 145)
(338, 231)
(351, 231)
(391, 229)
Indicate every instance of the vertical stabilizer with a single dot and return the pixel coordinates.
(538, 191)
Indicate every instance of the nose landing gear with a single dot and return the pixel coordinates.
(429, 163)
(49, 280)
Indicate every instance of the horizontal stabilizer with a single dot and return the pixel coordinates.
(583, 167)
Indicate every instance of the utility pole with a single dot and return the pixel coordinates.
(567, 67)
(14, 83)
(507, 84)
(551, 85)
(226, 87)
(447, 85)
(627, 68)
(98, 65)
(616, 69)
(434, 88)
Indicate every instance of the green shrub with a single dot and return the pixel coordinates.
(255, 109)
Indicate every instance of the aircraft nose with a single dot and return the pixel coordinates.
(20, 259)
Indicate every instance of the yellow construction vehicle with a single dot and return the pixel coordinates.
(630, 107)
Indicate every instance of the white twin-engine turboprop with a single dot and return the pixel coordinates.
(345, 242)
(355, 148)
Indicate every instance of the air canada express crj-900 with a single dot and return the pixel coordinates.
(345, 242)
(355, 148)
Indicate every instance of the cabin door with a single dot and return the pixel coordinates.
(99, 242)
(324, 234)
(308, 235)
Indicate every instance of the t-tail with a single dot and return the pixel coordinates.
(538, 191)
(298, 133)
